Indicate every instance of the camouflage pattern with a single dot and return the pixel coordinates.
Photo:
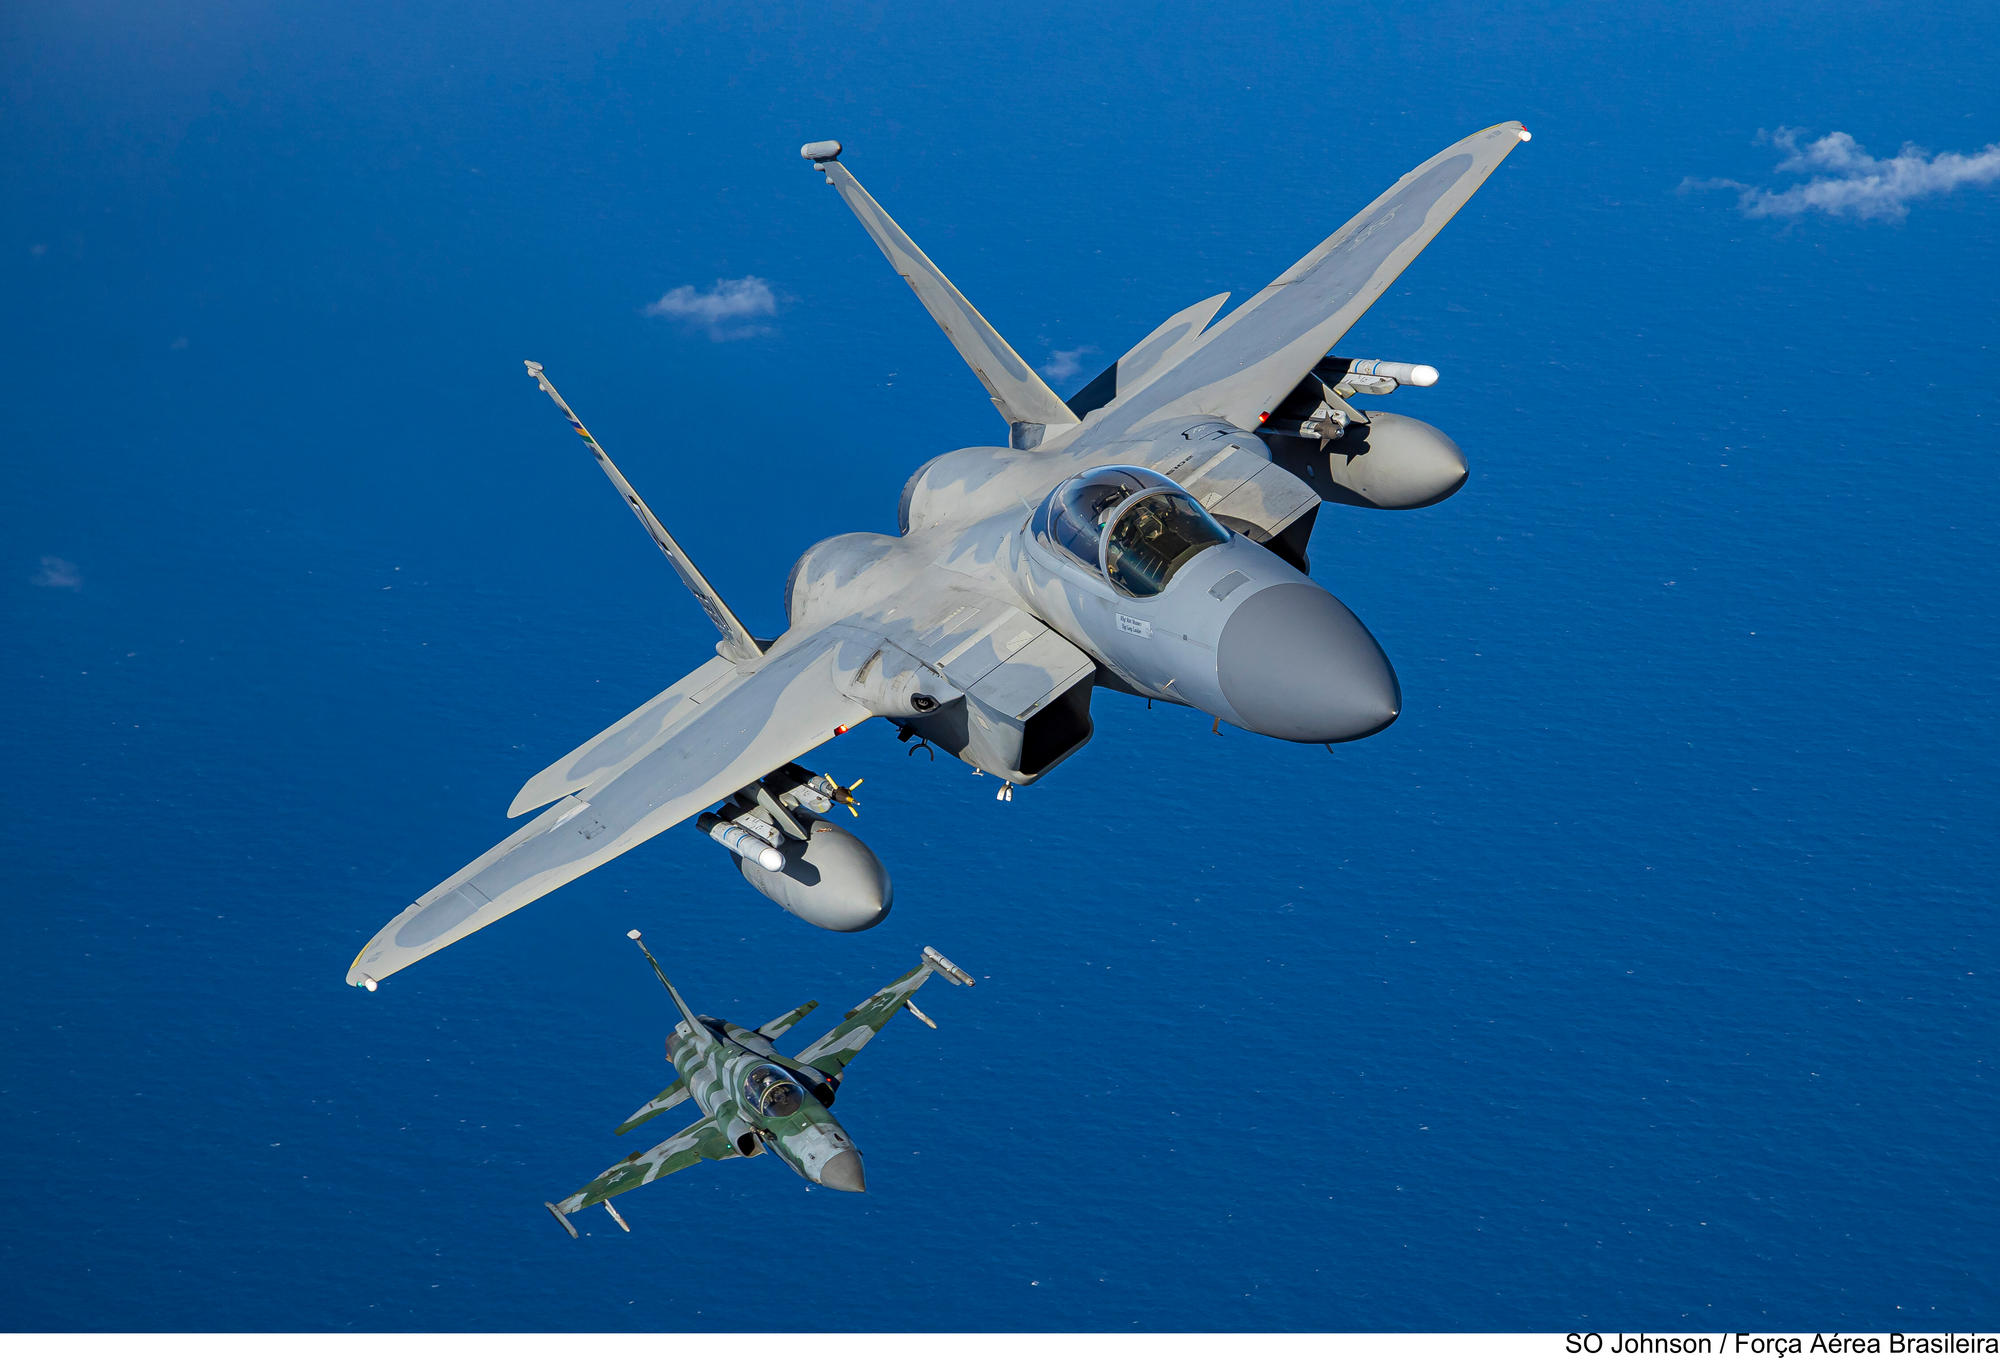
(754, 1099)
(678, 1092)
(975, 631)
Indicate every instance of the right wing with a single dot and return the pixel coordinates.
(782, 708)
(698, 1142)
(629, 738)
(1247, 363)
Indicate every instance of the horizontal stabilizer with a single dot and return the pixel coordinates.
(772, 1029)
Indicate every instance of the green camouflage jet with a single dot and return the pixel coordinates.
(752, 1098)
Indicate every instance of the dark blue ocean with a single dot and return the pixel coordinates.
(1641, 976)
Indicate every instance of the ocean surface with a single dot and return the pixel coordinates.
(1641, 976)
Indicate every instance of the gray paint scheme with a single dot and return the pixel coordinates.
(1017, 390)
(968, 630)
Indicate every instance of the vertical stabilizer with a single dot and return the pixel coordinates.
(700, 1031)
(1031, 410)
(737, 642)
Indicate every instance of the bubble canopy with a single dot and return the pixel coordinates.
(772, 1093)
(1132, 526)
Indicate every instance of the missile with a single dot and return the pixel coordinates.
(1376, 377)
(741, 842)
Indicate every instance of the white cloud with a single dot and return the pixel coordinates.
(58, 574)
(727, 311)
(1064, 364)
(1845, 181)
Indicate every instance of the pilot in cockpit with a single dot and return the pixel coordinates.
(773, 1093)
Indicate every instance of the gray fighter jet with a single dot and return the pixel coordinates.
(752, 1097)
(1147, 536)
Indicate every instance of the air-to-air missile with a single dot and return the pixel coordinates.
(754, 1099)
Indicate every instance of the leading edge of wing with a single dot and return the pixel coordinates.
(789, 705)
(1247, 362)
(699, 1141)
(833, 1050)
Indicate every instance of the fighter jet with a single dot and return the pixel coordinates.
(752, 1098)
(1147, 536)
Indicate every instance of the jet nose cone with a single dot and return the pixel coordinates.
(843, 1172)
(1294, 663)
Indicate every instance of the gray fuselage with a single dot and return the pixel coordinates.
(1238, 631)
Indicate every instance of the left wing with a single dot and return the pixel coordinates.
(787, 703)
(836, 1048)
(698, 1142)
(1247, 363)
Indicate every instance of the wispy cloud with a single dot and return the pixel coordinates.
(56, 573)
(727, 311)
(1064, 364)
(1845, 181)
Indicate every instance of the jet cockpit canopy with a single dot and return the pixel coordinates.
(1132, 526)
(772, 1093)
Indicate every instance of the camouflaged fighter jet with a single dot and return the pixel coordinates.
(752, 1098)
(1146, 536)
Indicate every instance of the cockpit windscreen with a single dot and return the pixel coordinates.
(1129, 523)
(772, 1093)
(1153, 536)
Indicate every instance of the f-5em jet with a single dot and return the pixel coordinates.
(752, 1098)
(1147, 536)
